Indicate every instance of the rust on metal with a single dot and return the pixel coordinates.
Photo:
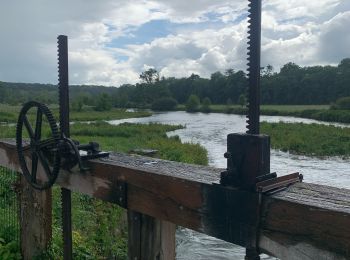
(254, 46)
(64, 126)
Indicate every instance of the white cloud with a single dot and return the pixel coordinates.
(334, 39)
(305, 32)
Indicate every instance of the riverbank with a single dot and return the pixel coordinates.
(308, 139)
(108, 239)
(316, 112)
(9, 114)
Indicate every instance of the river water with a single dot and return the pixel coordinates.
(210, 130)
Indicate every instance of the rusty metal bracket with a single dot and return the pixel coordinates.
(276, 184)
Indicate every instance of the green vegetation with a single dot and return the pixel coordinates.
(317, 112)
(126, 137)
(192, 104)
(309, 139)
(113, 114)
(206, 103)
(342, 103)
(242, 100)
(9, 250)
(100, 228)
(9, 114)
(103, 103)
(9, 229)
(164, 104)
(292, 85)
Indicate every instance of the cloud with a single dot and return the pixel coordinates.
(334, 39)
(204, 36)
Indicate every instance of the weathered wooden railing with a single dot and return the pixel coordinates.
(306, 221)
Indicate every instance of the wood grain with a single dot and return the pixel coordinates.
(302, 222)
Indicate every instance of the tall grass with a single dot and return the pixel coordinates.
(9, 114)
(309, 139)
(317, 112)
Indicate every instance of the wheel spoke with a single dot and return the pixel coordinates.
(44, 164)
(39, 120)
(25, 148)
(46, 142)
(34, 166)
(29, 128)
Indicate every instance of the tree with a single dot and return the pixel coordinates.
(342, 103)
(77, 104)
(103, 103)
(192, 104)
(150, 76)
(206, 105)
(242, 100)
(267, 71)
(164, 104)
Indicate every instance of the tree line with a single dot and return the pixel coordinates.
(293, 84)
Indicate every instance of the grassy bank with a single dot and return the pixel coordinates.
(280, 108)
(100, 228)
(9, 114)
(317, 112)
(309, 139)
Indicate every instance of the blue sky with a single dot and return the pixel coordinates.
(112, 42)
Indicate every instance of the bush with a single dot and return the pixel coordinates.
(77, 105)
(342, 104)
(206, 105)
(164, 104)
(242, 100)
(9, 250)
(104, 102)
(192, 104)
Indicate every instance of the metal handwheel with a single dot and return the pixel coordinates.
(39, 149)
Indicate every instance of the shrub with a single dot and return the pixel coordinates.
(342, 104)
(9, 250)
(77, 105)
(164, 104)
(104, 102)
(242, 100)
(206, 105)
(192, 104)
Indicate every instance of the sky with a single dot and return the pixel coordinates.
(112, 41)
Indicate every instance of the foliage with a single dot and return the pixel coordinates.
(150, 76)
(10, 250)
(309, 139)
(292, 85)
(99, 228)
(192, 104)
(206, 103)
(126, 137)
(9, 114)
(164, 104)
(77, 105)
(342, 103)
(103, 103)
(9, 229)
(242, 100)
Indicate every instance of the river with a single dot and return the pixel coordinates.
(210, 130)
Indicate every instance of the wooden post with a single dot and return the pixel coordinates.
(308, 221)
(150, 238)
(35, 220)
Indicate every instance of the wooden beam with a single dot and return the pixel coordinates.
(150, 238)
(302, 222)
